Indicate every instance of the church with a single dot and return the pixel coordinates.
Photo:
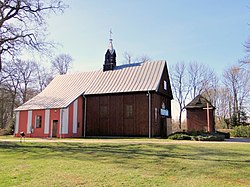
(132, 100)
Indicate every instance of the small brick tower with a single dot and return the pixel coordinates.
(200, 115)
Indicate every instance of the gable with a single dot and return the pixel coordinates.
(164, 86)
(199, 102)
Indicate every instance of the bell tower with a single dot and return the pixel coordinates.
(110, 56)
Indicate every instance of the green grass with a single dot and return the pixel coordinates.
(124, 164)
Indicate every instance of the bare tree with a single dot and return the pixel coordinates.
(128, 58)
(5, 101)
(236, 80)
(180, 86)
(202, 80)
(246, 60)
(23, 25)
(196, 78)
(10, 86)
(223, 105)
(190, 80)
(142, 59)
(44, 76)
(26, 71)
(62, 63)
(210, 85)
(19, 81)
(5, 106)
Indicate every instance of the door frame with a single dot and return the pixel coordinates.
(52, 128)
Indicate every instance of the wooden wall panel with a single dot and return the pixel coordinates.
(128, 127)
(92, 125)
(119, 115)
(141, 104)
(157, 101)
(116, 115)
(118, 123)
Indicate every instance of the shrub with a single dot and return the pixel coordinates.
(226, 134)
(198, 137)
(179, 136)
(241, 131)
(215, 137)
(10, 127)
(3, 132)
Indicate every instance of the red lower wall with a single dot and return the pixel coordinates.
(54, 115)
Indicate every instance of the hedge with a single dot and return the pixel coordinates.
(241, 131)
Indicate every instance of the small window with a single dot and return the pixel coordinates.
(165, 85)
(38, 121)
(104, 111)
(156, 115)
(129, 111)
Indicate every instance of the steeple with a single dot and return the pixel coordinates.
(110, 56)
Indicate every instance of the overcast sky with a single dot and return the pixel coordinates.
(209, 31)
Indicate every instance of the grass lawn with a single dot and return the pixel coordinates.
(124, 164)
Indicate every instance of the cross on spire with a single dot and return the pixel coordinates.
(110, 34)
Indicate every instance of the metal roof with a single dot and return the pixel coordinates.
(64, 89)
(199, 102)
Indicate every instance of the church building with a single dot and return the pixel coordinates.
(126, 100)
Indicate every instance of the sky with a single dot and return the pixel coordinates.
(210, 32)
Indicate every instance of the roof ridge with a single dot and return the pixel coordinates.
(64, 89)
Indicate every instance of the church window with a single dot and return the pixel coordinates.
(129, 111)
(38, 121)
(165, 85)
(156, 115)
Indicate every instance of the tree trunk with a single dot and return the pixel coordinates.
(180, 118)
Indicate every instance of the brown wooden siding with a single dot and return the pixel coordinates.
(119, 121)
(156, 120)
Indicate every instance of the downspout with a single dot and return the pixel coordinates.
(149, 115)
(85, 115)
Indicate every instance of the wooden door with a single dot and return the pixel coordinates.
(54, 128)
(163, 127)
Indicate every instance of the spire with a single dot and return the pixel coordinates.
(110, 56)
(111, 47)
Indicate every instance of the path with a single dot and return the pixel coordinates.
(123, 140)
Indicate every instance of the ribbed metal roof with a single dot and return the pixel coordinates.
(199, 102)
(64, 89)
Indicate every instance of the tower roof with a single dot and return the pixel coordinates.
(199, 102)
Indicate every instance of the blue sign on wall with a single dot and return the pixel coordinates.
(164, 112)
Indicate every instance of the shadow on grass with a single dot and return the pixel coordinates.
(123, 153)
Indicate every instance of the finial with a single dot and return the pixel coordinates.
(110, 34)
(111, 48)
